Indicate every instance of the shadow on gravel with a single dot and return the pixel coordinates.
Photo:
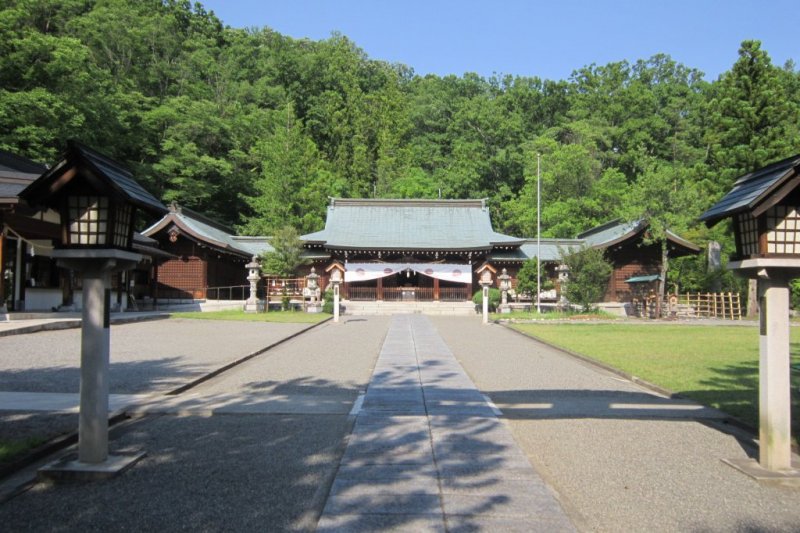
(124, 377)
(734, 389)
(220, 473)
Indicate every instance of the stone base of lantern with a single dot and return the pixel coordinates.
(252, 305)
(314, 308)
(783, 478)
(504, 308)
(70, 469)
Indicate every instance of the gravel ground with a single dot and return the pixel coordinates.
(21, 426)
(150, 356)
(231, 472)
(614, 472)
(333, 360)
(223, 473)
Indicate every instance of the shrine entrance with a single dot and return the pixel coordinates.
(408, 282)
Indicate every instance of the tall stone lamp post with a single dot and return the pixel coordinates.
(336, 280)
(97, 200)
(764, 207)
(253, 275)
(485, 282)
(505, 286)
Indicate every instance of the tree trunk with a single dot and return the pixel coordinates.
(662, 284)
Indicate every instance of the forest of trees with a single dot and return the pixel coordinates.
(258, 129)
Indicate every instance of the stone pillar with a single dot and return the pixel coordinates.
(774, 376)
(93, 419)
(485, 304)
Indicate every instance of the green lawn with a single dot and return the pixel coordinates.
(553, 315)
(272, 316)
(715, 365)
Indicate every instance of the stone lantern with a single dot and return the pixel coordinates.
(764, 207)
(312, 286)
(505, 286)
(253, 275)
(562, 270)
(485, 281)
(97, 199)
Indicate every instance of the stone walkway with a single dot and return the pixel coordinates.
(428, 453)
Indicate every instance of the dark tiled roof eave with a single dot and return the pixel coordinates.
(751, 189)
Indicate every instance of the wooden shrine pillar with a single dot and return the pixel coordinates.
(379, 292)
(435, 289)
(2, 269)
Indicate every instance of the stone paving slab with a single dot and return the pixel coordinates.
(57, 402)
(427, 452)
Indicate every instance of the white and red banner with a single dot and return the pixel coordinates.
(444, 271)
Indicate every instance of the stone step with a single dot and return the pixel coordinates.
(392, 308)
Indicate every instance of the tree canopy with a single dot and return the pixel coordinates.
(258, 129)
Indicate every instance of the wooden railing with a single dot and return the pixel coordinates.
(709, 305)
(407, 294)
(361, 293)
(285, 286)
(454, 294)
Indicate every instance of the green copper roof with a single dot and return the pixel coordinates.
(550, 250)
(210, 232)
(643, 279)
(409, 225)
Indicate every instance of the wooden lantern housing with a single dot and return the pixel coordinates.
(96, 198)
(764, 207)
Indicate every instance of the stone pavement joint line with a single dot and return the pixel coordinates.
(427, 452)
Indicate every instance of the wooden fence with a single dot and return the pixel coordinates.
(725, 305)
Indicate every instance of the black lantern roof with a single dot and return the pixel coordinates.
(757, 191)
(105, 174)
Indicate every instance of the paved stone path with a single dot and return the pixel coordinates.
(427, 452)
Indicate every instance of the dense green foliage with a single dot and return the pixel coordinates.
(286, 257)
(527, 278)
(589, 272)
(258, 129)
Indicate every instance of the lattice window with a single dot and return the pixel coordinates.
(748, 234)
(783, 230)
(122, 226)
(88, 217)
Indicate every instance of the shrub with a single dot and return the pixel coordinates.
(327, 306)
(494, 298)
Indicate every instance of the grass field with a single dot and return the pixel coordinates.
(272, 316)
(553, 315)
(715, 365)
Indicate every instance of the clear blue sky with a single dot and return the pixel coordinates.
(548, 39)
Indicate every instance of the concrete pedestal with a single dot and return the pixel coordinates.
(72, 469)
(774, 387)
(96, 267)
(336, 303)
(485, 305)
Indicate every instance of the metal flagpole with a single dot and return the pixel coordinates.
(538, 235)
